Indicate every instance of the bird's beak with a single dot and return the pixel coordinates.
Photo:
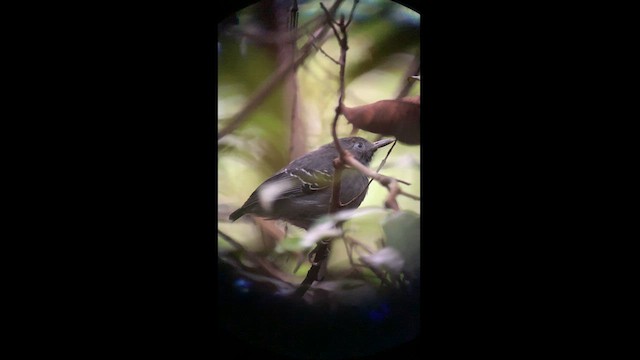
(384, 142)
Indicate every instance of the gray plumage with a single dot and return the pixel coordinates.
(304, 186)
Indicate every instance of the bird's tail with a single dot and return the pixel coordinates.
(236, 214)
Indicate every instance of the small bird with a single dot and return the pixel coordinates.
(301, 192)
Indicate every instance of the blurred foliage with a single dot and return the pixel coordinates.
(378, 257)
(384, 40)
(402, 231)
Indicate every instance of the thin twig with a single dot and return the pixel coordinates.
(335, 189)
(342, 40)
(390, 183)
(297, 145)
(266, 265)
(378, 170)
(384, 161)
(350, 244)
(344, 156)
(407, 83)
(359, 243)
(322, 51)
(322, 249)
(269, 227)
(321, 255)
(330, 21)
(353, 9)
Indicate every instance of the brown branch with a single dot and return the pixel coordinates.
(330, 21)
(269, 227)
(266, 88)
(322, 249)
(344, 156)
(338, 164)
(378, 170)
(297, 146)
(335, 189)
(321, 256)
(323, 52)
(349, 248)
(359, 243)
(384, 161)
(390, 183)
(267, 266)
(353, 9)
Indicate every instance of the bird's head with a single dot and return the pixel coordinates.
(362, 149)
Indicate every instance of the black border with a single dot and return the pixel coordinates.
(126, 189)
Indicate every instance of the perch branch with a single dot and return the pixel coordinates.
(390, 183)
(338, 164)
(320, 257)
(344, 156)
(322, 249)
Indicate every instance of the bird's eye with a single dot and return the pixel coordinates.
(359, 145)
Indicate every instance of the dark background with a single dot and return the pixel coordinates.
(125, 252)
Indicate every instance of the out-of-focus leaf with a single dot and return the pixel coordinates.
(325, 229)
(349, 214)
(399, 118)
(326, 226)
(293, 243)
(270, 192)
(402, 230)
(388, 259)
(405, 162)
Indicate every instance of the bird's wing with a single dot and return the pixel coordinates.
(290, 183)
(307, 180)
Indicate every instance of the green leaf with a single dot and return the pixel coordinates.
(293, 244)
(402, 232)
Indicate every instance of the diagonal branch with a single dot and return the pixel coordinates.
(323, 52)
(297, 133)
(319, 261)
(266, 265)
(344, 46)
(266, 88)
(353, 10)
(390, 183)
